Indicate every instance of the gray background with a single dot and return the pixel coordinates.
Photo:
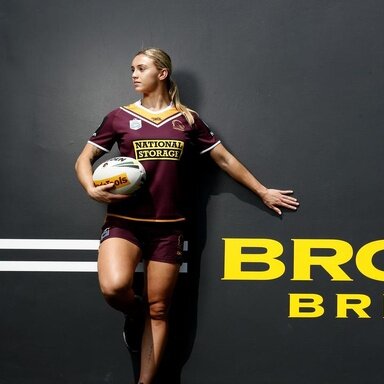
(293, 88)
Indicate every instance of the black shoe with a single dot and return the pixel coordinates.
(134, 327)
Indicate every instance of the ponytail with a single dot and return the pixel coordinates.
(175, 98)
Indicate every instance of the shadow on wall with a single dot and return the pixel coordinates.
(190, 93)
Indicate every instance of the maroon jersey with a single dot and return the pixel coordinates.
(163, 142)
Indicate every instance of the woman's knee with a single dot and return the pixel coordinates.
(119, 297)
(116, 266)
(112, 291)
(114, 287)
(159, 310)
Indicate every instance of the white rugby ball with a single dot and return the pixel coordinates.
(126, 173)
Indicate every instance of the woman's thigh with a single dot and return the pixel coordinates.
(117, 262)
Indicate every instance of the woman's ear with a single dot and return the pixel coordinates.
(163, 74)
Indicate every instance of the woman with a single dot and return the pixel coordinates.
(160, 132)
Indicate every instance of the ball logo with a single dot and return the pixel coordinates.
(120, 181)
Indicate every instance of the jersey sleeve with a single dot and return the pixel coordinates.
(105, 136)
(204, 139)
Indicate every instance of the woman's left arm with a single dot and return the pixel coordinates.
(272, 198)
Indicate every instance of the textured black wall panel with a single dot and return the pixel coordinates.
(293, 88)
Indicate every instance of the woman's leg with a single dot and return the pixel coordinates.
(117, 262)
(161, 279)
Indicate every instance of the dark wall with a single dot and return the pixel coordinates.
(295, 90)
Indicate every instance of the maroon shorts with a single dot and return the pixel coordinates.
(158, 241)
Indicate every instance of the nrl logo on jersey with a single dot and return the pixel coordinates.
(135, 124)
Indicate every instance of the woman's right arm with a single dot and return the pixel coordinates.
(84, 173)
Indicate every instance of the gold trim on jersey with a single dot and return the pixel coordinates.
(147, 220)
(154, 118)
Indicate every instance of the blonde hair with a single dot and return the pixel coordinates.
(163, 61)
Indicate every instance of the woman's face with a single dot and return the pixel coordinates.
(146, 77)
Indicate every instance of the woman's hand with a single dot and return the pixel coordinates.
(274, 198)
(102, 194)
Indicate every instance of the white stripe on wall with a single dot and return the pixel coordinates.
(48, 266)
(56, 266)
(58, 244)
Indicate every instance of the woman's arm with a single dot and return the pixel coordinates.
(272, 198)
(84, 173)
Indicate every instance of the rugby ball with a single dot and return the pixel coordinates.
(126, 173)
